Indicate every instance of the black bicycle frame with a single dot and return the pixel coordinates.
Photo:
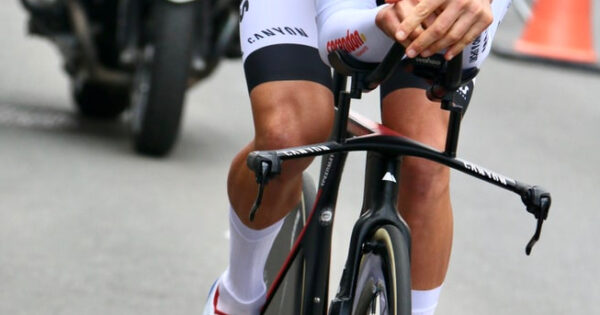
(315, 242)
(385, 149)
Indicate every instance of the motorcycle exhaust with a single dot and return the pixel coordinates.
(93, 69)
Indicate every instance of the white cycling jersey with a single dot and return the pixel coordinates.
(350, 25)
(266, 23)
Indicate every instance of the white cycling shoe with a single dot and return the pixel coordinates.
(212, 303)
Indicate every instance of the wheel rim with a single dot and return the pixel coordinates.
(379, 300)
(378, 304)
(371, 287)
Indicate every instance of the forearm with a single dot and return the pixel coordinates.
(350, 25)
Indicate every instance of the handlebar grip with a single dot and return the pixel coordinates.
(447, 76)
(386, 67)
(453, 77)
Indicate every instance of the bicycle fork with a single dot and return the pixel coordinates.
(378, 209)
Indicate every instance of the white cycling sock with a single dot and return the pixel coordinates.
(242, 288)
(424, 302)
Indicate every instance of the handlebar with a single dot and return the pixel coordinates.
(446, 77)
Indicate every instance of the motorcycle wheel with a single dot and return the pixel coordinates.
(96, 100)
(161, 78)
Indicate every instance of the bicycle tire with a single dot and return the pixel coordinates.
(162, 78)
(383, 280)
(288, 298)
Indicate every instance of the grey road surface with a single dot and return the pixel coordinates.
(88, 227)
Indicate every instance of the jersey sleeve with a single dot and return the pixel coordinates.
(350, 25)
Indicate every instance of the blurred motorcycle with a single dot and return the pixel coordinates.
(138, 54)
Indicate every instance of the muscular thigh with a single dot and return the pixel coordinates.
(279, 42)
(406, 108)
(409, 112)
(288, 83)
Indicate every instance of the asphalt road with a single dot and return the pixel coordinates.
(88, 227)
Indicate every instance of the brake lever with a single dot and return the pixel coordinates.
(538, 203)
(264, 166)
(261, 179)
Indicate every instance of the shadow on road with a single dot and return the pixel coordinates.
(53, 118)
(56, 120)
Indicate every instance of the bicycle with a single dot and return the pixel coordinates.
(376, 275)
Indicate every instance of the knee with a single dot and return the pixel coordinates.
(293, 119)
(288, 118)
(284, 132)
(425, 181)
(425, 197)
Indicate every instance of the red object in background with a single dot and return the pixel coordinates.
(561, 30)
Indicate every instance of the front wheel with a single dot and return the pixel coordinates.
(288, 298)
(383, 282)
(161, 78)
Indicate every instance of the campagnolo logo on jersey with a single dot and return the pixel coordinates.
(277, 31)
(306, 150)
(487, 173)
(354, 42)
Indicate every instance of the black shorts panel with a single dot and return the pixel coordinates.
(286, 62)
(402, 79)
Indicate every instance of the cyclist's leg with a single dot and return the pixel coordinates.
(275, 128)
(424, 186)
(424, 199)
(291, 105)
(279, 127)
(286, 113)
